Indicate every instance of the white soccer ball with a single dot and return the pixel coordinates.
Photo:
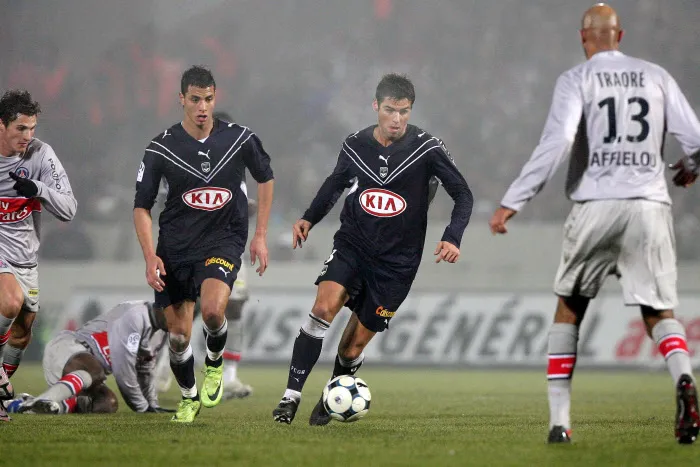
(346, 398)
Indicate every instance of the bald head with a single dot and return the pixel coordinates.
(600, 29)
(600, 16)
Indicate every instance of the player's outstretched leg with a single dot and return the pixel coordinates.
(669, 335)
(563, 340)
(212, 388)
(307, 349)
(319, 415)
(51, 401)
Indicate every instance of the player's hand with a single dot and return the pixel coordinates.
(258, 249)
(446, 251)
(300, 232)
(24, 186)
(687, 171)
(499, 219)
(154, 269)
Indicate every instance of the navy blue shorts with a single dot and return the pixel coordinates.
(375, 293)
(183, 279)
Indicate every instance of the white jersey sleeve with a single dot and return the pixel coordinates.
(625, 106)
(55, 191)
(555, 143)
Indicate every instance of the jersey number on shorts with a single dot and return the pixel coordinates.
(639, 117)
(102, 342)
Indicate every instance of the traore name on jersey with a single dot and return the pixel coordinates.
(385, 213)
(611, 113)
(205, 207)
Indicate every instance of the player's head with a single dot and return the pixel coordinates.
(198, 95)
(225, 116)
(393, 102)
(18, 113)
(600, 29)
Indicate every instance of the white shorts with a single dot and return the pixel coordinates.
(28, 279)
(239, 291)
(57, 353)
(631, 238)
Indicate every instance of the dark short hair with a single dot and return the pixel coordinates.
(395, 86)
(197, 76)
(17, 102)
(225, 116)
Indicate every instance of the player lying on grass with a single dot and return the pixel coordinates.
(124, 341)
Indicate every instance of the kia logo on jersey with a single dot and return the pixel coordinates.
(207, 199)
(382, 203)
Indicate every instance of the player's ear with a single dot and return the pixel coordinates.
(583, 35)
(182, 99)
(620, 34)
(375, 105)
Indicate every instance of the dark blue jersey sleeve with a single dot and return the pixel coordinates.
(148, 180)
(456, 186)
(330, 191)
(256, 160)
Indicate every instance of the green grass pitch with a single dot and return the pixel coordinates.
(421, 417)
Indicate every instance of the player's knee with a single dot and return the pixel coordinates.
(178, 342)
(11, 302)
(212, 317)
(86, 362)
(324, 311)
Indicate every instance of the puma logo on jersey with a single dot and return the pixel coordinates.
(226, 273)
(205, 154)
(382, 203)
(165, 133)
(385, 159)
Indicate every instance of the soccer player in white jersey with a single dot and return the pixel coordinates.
(611, 114)
(31, 179)
(124, 341)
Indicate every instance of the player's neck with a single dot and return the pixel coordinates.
(383, 140)
(196, 131)
(601, 48)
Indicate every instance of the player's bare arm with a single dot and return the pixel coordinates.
(154, 265)
(499, 219)
(258, 246)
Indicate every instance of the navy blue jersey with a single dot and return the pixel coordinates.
(206, 209)
(386, 211)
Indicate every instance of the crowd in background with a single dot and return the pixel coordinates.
(303, 76)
